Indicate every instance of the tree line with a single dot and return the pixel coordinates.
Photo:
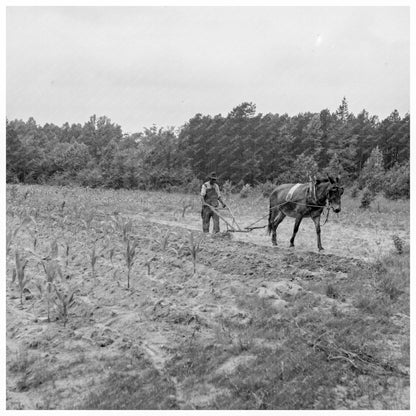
(242, 147)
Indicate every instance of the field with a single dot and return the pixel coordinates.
(116, 300)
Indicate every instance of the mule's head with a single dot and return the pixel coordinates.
(335, 191)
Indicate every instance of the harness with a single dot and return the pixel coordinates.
(291, 191)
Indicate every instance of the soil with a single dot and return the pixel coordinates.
(62, 364)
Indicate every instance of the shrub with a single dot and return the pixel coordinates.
(354, 191)
(227, 187)
(91, 177)
(367, 198)
(61, 179)
(245, 191)
(193, 186)
(266, 188)
(396, 182)
(11, 177)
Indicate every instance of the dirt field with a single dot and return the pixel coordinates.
(231, 323)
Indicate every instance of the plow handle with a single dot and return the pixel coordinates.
(216, 212)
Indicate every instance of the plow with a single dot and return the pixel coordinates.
(231, 222)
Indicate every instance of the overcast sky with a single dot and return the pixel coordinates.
(141, 66)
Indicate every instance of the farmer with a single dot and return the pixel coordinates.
(210, 194)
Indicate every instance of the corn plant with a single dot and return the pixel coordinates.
(66, 247)
(35, 239)
(19, 273)
(194, 247)
(127, 228)
(52, 270)
(88, 220)
(148, 260)
(129, 255)
(111, 253)
(95, 254)
(93, 260)
(63, 302)
(163, 241)
(11, 234)
(123, 225)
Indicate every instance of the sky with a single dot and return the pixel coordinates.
(144, 66)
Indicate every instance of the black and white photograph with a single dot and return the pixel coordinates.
(207, 206)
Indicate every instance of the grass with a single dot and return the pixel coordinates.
(388, 286)
(304, 359)
(129, 387)
(21, 361)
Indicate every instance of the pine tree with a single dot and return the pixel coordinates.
(372, 175)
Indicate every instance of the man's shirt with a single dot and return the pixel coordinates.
(207, 185)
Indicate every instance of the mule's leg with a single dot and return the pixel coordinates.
(295, 230)
(317, 221)
(279, 218)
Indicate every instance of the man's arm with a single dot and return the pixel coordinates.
(203, 193)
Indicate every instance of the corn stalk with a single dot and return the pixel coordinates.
(194, 248)
(63, 302)
(163, 242)
(66, 246)
(52, 270)
(125, 226)
(148, 261)
(129, 255)
(93, 260)
(19, 273)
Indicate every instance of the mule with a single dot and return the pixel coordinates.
(303, 200)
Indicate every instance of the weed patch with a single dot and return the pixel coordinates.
(142, 388)
(307, 358)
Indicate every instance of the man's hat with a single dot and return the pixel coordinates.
(213, 176)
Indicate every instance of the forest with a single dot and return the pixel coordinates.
(243, 147)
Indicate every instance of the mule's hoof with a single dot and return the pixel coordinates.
(320, 249)
(274, 244)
